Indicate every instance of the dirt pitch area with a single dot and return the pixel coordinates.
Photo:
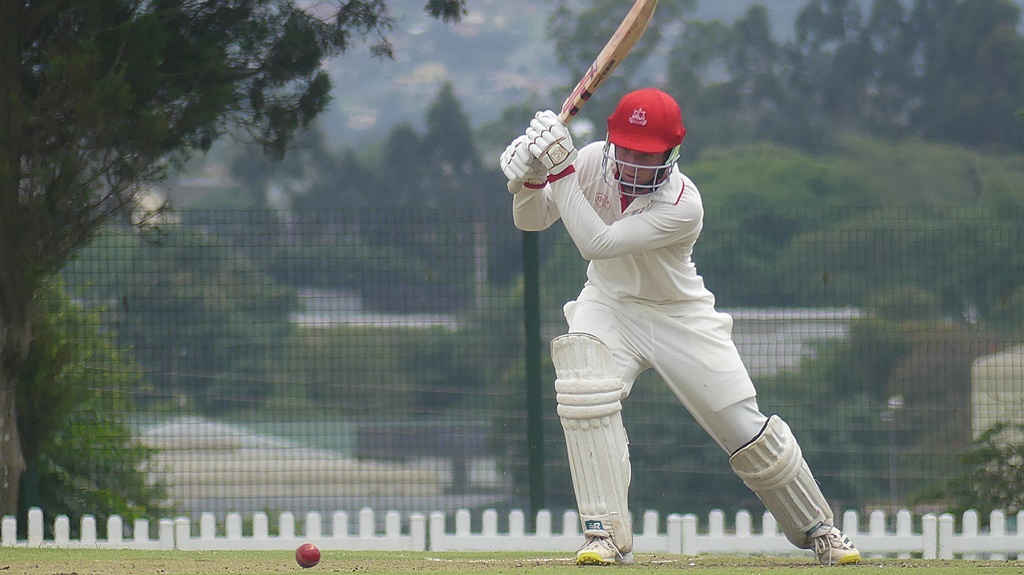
(21, 561)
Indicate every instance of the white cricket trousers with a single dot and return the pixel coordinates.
(690, 346)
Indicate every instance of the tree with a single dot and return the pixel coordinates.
(403, 146)
(946, 70)
(730, 82)
(992, 476)
(887, 108)
(835, 65)
(100, 97)
(973, 82)
(273, 185)
(77, 381)
(453, 163)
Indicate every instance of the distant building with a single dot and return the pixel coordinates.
(997, 393)
(773, 339)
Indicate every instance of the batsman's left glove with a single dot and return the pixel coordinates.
(520, 167)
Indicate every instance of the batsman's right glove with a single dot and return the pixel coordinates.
(551, 143)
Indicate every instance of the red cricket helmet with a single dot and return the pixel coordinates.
(646, 120)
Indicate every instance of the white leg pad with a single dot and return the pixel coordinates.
(589, 390)
(773, 467)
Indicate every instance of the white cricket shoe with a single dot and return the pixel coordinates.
(599, 549)
(832, 547)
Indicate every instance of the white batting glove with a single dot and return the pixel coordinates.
(520, 167)
(550, 142)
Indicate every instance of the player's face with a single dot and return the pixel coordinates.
(637, 168)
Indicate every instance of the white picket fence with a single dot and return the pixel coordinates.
(936, 538)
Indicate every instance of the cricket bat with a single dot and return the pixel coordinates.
(621, 42)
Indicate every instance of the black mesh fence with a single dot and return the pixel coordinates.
(336, 360)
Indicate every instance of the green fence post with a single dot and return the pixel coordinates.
(534, 404)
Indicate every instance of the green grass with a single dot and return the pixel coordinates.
(48, 561)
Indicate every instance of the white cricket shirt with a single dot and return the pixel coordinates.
(640, 255)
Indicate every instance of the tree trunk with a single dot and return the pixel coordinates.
(13, 334)
(15, 340)
(12, 462)
(16, 310)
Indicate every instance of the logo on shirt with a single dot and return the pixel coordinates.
(639, 117)
(602, 201)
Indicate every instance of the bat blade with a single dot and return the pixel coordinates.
(618, 46)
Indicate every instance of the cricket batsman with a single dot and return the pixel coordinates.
(635, 217)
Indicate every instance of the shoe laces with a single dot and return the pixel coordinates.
(824, 542)
(828, 541)
(600, 538)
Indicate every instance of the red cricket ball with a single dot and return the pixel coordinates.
(307, 555)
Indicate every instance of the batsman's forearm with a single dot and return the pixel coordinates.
(585, 227)
(597, 240)
(533, 210)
